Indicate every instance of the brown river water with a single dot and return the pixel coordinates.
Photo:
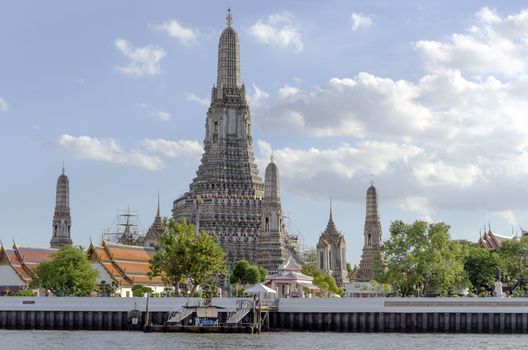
(78, 340)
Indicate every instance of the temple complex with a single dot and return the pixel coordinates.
(61, 218)
(226, 198)
(372, 237)
(331, 253)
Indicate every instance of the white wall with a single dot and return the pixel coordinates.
(9, 278)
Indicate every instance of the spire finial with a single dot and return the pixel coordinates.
(62, 167)
(331, 208)
(371, 179)
(229, 18)
(271, 158)
(158, 214)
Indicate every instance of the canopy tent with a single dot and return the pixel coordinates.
(260, 289)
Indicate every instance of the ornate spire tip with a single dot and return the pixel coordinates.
(229, 18)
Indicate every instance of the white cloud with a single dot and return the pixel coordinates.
(494, 45)
(279, 31)
(462, 126)
(418, 205)
(3, 105)
(360, 21)
(143, 60)
(176, 30)
(508, 216)
(108, 150)
(156, 113)
(163, 116)
(202, 101)
(146, 155)
(258, 97)
(174, 149)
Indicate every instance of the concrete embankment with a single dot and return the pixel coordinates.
(482, 315)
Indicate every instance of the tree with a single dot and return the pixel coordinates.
(325, 283)
(207, 261)
(246, 273)
(421, 258)
(69, 273)
(139, 290)
(480, 266)
(183, 256)
(513, 263)
(172, 258)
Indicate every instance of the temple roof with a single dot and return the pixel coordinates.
(126, 264)
(330, 236)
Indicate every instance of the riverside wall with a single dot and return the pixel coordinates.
(449, 315)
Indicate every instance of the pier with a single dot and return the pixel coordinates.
(416, 315)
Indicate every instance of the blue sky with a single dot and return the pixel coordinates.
(426, 97)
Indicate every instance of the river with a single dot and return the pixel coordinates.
(79, 340)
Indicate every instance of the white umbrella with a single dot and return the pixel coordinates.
(260, 288)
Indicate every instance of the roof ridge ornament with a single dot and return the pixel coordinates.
(229, 18)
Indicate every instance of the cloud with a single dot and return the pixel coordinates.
(107, 150)
(156, 113)
(360, 21)
(202, 101)
(258, 97)
(279, 31)
(508, 216)
(3, 105)
(418, 205)
(494, 45)
(143, 60)
(174, 149)
(461, 126)
(176, 30)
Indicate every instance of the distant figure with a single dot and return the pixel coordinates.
(498, 274)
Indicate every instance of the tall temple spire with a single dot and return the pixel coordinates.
(225, 198)
(228, 74)
(271, 182)
(372, 237)
(61, 226)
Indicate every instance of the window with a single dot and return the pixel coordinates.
(267, 226)
(369, 239)
(321, 260)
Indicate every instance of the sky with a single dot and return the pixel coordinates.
(428, 99)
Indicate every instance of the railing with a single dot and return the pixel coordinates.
(178, 316)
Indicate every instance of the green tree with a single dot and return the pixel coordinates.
(207, 261)
(139, 290)
(245, 273)
(422, 258)
(69, 273)
(480, 266)
(183, 256)
(173, 258)
(513, 263)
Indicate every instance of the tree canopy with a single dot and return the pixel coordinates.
(513, 262)
(69, 273)
(480, 266)
(184, 256)
(326, 283)
(421, 258)
(246, 273)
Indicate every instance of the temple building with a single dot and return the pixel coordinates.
(331, 253)
(226, 198)
(122, 266)
(152, 238)
(492, 240)
(271, 249)
(61, 218)
(372, 237)
(18, 264)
